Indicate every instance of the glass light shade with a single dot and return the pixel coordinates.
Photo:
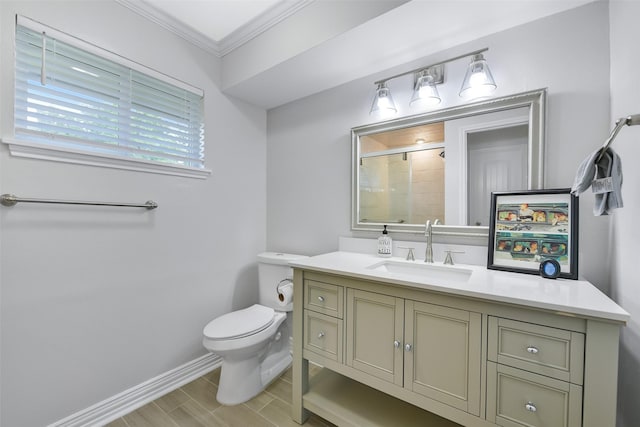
(478, 81)
(383, 105)
(425, 94)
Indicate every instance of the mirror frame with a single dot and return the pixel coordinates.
(536, 101)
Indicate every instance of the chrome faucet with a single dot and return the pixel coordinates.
(428, 232)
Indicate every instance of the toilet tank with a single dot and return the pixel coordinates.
(273, 268)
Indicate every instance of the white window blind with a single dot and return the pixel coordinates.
(76, 98)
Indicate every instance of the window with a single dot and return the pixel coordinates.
(74, 99)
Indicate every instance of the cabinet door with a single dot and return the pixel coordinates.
(374, 334)
(443, 360)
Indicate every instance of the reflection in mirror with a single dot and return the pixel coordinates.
(402, 175)
(445, 164)
(487, 152)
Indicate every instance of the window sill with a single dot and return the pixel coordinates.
(39, 151)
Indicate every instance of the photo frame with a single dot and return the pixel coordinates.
(529, 227)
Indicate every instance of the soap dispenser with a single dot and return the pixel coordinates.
(384, 244)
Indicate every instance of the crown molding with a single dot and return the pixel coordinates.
(260, 24)
(170, 23)
(237, 38)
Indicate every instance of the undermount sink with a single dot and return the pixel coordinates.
(423, 270)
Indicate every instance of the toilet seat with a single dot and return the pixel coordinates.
(240, 323)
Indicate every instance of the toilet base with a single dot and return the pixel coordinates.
(272, 369)
(243, 380)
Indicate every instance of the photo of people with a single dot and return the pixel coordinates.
(533, 226)
(525, 213)
(531, 247)
(548, 217)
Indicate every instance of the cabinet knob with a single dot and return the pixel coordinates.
(321, 334)
(533, 350)
(321, 298)
(407, 347)
(396, 344)
(530, 407)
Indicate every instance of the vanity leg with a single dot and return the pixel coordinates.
(600, 374)
(300, 383)
(300, 365)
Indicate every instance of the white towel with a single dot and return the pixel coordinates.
(605, 178)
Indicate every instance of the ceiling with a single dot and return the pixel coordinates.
(218, 26)
(276, 51)
(215, 19)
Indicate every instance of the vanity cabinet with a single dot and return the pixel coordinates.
(431, 350)
(394, 354)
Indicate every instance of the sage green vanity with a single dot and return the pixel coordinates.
(475, 347)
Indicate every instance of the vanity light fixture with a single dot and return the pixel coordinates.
(383, 105)
(425, 90)
(478, 82)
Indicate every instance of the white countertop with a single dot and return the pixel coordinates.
(574, 297)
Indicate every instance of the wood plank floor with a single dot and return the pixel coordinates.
(195, 405)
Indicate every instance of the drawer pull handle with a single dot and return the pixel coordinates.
(321, 334)
(396, 344)
(530, 407)
(407, 347)
(321, 298)
(533, 350)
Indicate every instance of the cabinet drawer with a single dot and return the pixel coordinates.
(323, 335)
(548, 351)
(520, 398)
(323, 298)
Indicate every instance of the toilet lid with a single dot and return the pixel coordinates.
(240, 323)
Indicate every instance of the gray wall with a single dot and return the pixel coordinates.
(309, 157)
(94, 301)
(625, 100)
(584, 57)
(97, 300)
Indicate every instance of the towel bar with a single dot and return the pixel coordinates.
(11, 200)
(629, 121)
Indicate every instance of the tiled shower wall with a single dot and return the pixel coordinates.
(410, 190)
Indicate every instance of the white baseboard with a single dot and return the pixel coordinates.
(121, 404)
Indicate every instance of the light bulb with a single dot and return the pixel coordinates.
(478, 81)
(425, 93)
(383, 105)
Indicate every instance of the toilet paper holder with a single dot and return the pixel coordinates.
(285, 291)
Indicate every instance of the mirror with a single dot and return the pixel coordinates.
(444, 164)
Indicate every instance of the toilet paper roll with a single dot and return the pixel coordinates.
(285, 294)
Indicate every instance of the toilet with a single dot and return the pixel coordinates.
(254, 342)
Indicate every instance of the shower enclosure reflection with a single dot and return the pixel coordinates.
(402, 175)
